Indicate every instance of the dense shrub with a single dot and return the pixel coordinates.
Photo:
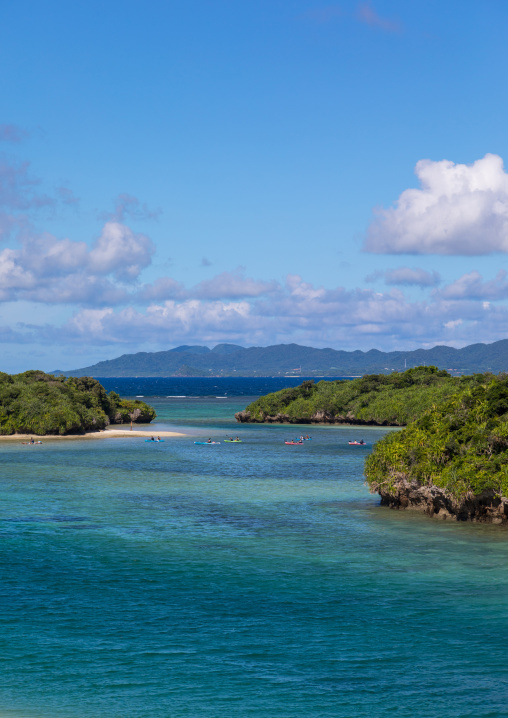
(37, 403)
(460, 445)
(392, 400)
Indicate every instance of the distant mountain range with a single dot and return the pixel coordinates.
(293, 359)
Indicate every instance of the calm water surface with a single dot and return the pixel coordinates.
(252, 579)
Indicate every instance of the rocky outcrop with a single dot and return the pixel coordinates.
(486, 507)
(139, 415)
(320, 417)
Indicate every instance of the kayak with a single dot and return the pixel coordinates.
(294, 443)
(233, 441)
(153, 441)
(357, 443)
(207, 443)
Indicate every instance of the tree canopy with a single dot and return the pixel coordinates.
(37, 403)
(460, 445)
(379, 399)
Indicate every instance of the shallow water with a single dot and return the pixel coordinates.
(252, 579)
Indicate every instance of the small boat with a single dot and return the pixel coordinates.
(207, 443)
(153, 441)
(293, 443)
(233, 441)
(357, 443)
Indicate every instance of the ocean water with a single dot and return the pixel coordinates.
(256, 579)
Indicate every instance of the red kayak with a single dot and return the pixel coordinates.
(357, 443)
(293, 443)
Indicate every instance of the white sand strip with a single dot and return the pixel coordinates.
(106, 434)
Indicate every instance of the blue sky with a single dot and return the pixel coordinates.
(250, 172)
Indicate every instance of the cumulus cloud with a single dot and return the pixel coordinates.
(406, 276)
(78, 289)
(227, 285)
(472, 286)
(180, 320)
(458, 210)
(120, 251)
(232, 285)
(50, 270)
(297, 311)
(163, 288)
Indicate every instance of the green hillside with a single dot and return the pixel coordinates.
(283, 359)
(42, 404)
(460, 445)
(387, 400)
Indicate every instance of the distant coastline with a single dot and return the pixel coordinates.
(293, 360)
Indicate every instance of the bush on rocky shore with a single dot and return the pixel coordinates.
(37, 403)
(458, 449)
(377, 399)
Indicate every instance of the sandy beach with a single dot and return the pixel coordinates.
(106, 434)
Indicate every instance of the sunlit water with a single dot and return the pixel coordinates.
(252, 579)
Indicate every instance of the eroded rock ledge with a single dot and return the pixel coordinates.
(320, 417)
(486, 507)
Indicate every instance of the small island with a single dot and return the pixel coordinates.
(452, 461)
(42, 404)
(376, 399)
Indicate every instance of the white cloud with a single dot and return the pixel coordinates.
(406, 276)
(458, 210)
(297, 312)
(47, 269)
(472, 286)
(163, 288)
(453, 323)
(232, 285)
(121, 252)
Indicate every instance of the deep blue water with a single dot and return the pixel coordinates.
(201, 386)
(256, 579)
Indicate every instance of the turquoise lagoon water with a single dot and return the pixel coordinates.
(254, 579)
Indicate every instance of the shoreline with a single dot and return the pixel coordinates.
(105, 434)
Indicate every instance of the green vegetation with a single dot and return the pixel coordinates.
(278, 360)
(386, 400)
(460, 445)
(40, 404)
